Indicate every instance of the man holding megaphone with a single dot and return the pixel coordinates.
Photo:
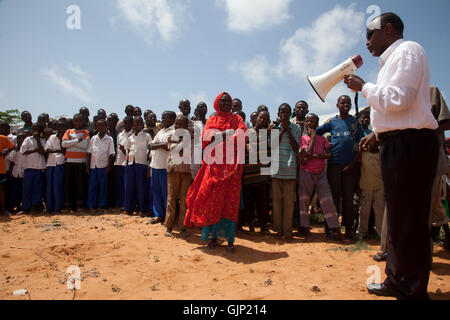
(403, 122)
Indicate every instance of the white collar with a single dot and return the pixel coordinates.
(387, 53)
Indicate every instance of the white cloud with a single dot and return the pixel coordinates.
(251, 15)
(311, 50)
(256, 71)
(76, 84)
(150, 17)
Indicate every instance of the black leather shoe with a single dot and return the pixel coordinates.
(380, 289)
(380, 256)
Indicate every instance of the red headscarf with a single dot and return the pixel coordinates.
(224, 121)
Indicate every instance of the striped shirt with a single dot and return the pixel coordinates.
(75, 150)
(288, 157)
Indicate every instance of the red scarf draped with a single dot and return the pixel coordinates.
(215, 192)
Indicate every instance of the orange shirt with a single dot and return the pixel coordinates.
(4, 144)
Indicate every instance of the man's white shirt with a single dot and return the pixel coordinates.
(401, 97)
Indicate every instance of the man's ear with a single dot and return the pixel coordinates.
(389, 29)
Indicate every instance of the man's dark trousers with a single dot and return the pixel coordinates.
(408, 165)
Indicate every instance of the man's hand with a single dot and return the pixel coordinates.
(354, 82)
(367, 142)
(108, 168)
(122, 148)
(88, 170)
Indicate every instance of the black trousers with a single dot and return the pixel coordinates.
(343, 188)
(75, 185)
(408, 165)
(256, 204)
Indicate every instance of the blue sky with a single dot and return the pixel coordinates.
(152, 53)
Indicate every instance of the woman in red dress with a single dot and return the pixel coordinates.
(213, 198)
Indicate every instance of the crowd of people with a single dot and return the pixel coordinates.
(64, 165)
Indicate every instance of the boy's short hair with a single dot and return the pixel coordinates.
(365, 112)
(241, 114)
(128, 118)
(315, 116)
(39, 125)
(182, 117)
(284, 105)
(171, 114)
(102, 120)
(262, 108)
(77, 115)
(4, 124)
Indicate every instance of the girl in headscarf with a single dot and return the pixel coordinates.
(213, 198)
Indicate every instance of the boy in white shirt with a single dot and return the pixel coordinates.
(34, 165)
(121, 161)
(55, 170)
(100, 156)
(15, 159)
(137, 176)
(160, 153)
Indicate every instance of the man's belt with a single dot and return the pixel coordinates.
(388, 134)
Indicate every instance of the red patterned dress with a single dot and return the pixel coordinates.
(213, 198)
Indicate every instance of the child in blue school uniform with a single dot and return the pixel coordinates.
(160, 154)
(100, 156)
(137, 171)
(34, 165)
(55, 170)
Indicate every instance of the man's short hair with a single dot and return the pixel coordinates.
(393, 19)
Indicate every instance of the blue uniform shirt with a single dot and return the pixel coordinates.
(342, 138)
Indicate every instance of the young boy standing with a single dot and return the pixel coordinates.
(343, 170)
(137, 177)
(159, 154)
(314, 150)
(33, 152)
(371, 184)
(255, 186)
(5, 146)
(76, 142)
(284, 182)
(16, 174)
(121, 161)
(100, 156)
(178, 179)
(55, 170)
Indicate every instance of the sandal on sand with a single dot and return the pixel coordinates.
(231, 247)
(212, 244)
(156, 220)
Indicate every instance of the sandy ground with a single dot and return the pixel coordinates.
(126, 257)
